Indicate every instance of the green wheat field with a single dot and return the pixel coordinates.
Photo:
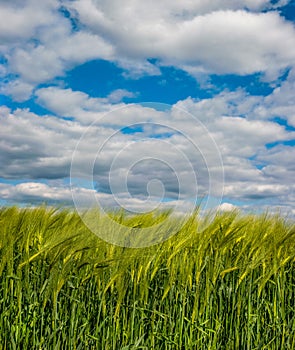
(228, 286)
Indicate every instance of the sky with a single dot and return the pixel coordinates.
(141, 104)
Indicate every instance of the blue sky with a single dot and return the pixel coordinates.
(145, 103)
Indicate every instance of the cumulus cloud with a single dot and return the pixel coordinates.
(37, 192)
(255, 191)
(37, 64)
(69, 103)
(20, 20)
(281, 102)
(278, 164)
(140, 152)
(64, 102)
(118, 95)
(17, 89)
(158, 145)
(39, 44)
(241, 37)
(192, 35)
(226, 207)
(35, 147)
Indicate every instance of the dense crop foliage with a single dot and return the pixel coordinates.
(230, 286)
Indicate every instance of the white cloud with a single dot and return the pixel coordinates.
(255, 191)
(36, 65)
(250, 136)
(118, 95)
(35, 147)
(137, 68)
(64, 102)
(3, 70)
(39, 43)
(244, 43)
(17, 89)
(36, 192)
(226, 207)
(200, 37)
(278, 164)
(77, 104)
(281, 102)
(50, 59)
(192, 35)
(20, 20)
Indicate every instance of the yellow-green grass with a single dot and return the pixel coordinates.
(228, 286)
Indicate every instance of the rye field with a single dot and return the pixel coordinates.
(230, 285)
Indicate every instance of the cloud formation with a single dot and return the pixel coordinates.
(199, 37)
(40, 43)
(142, 144)
(43, 147)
